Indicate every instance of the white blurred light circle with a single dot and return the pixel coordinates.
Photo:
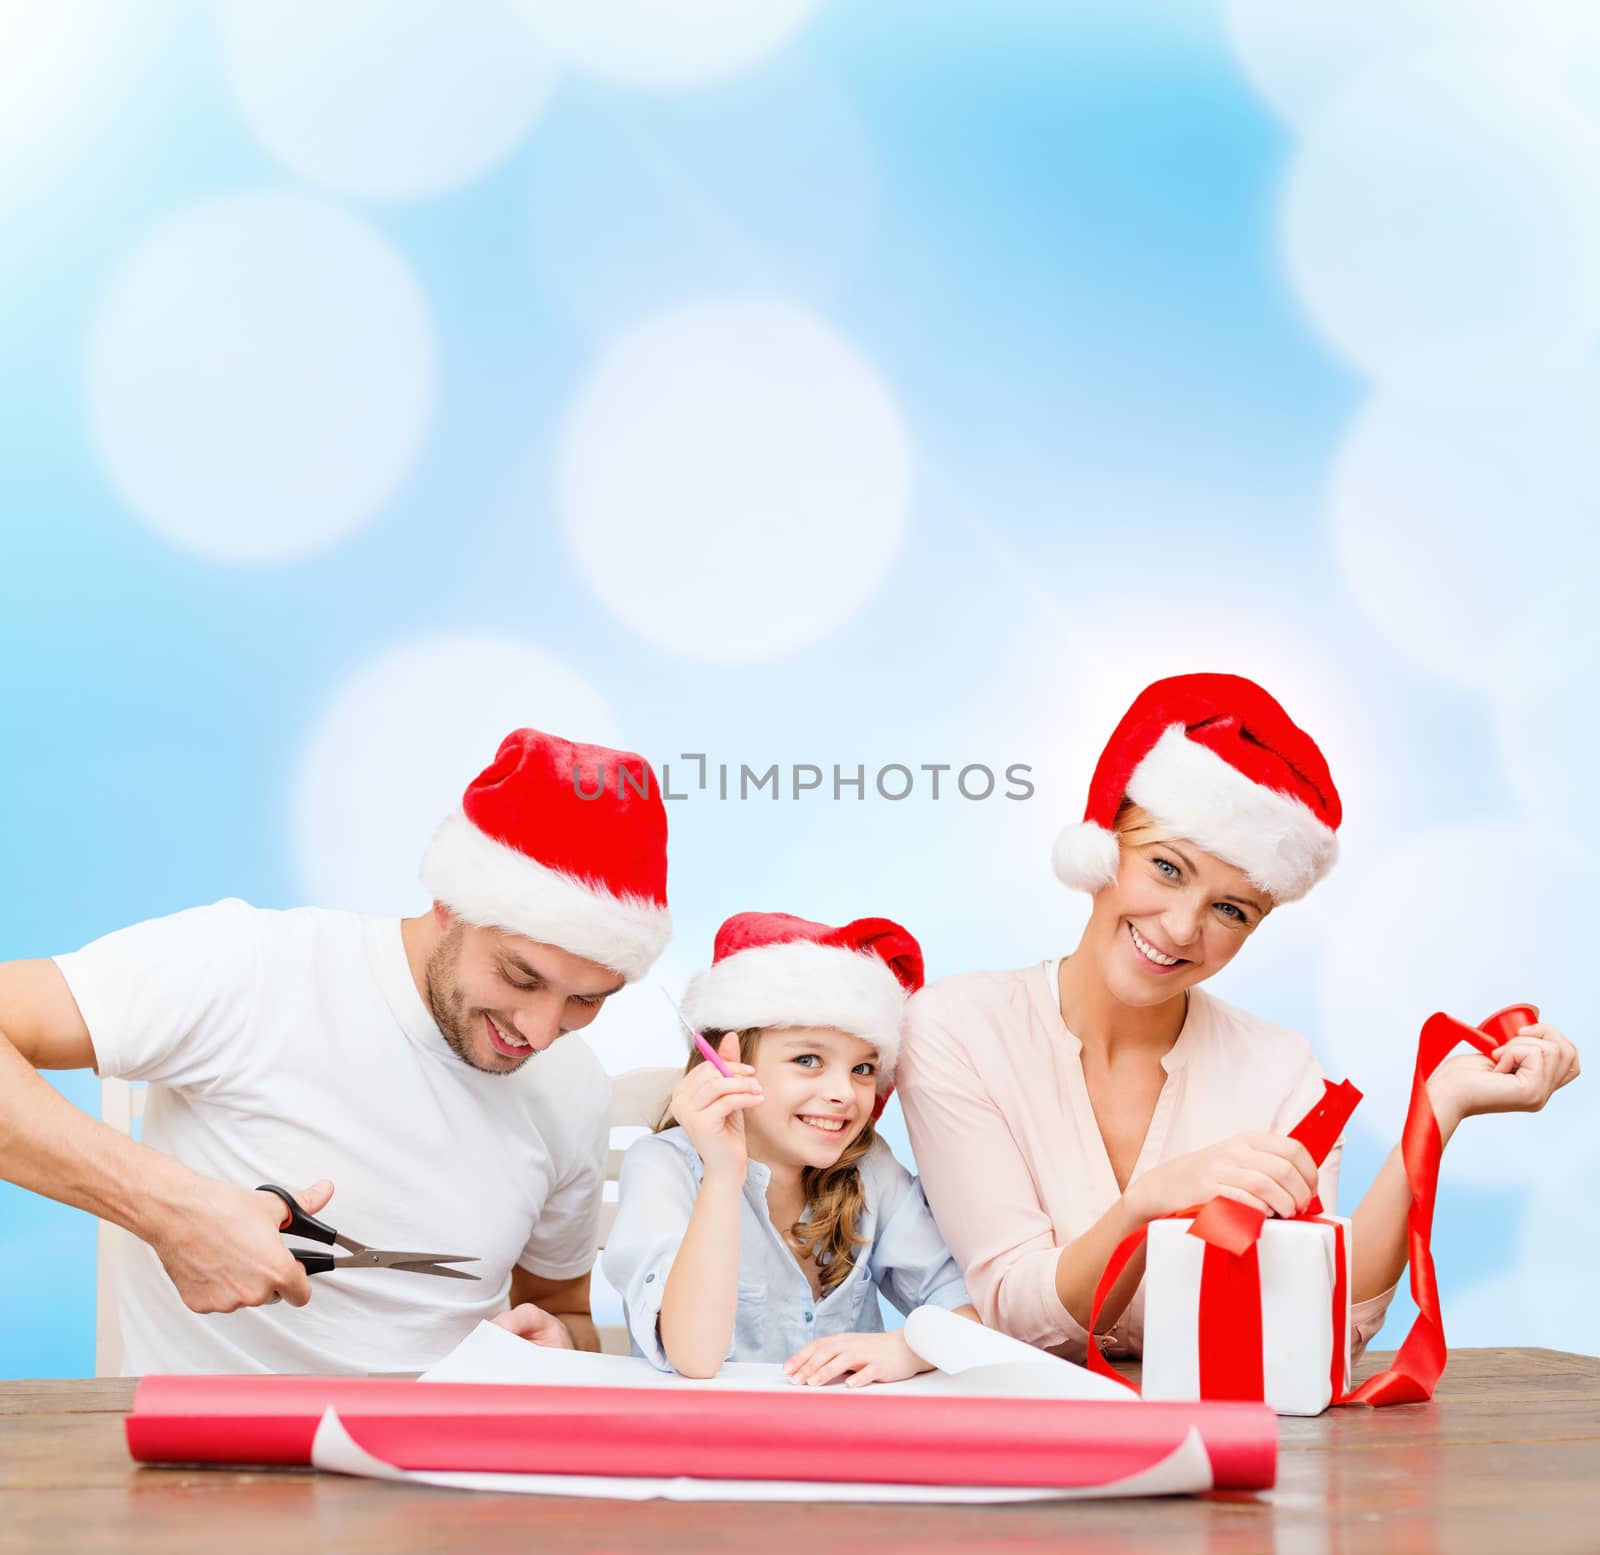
(1299, 55)
(667, 43)
(1442, 227)
(395, 746)
(387, 99)
(1468, 534)
(734, 481)
(261, 374)
(1465, 919)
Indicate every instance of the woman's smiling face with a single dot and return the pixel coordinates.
(1174, 916)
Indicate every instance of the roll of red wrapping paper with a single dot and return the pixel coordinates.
(803, 1435)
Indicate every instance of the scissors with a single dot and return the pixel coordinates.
(299, 1223)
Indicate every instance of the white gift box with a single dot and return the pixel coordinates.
(1297, 1317)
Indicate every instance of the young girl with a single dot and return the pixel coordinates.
(1056, 1108)
(762, 1221)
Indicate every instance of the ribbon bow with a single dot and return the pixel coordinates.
(1230, 1280)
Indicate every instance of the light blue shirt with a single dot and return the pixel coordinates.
(904, 1256)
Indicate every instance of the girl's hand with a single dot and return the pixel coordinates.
(710, 1109)
(866, 1357)
(536, 1326)
(1522, 1077)
(1269, 1172)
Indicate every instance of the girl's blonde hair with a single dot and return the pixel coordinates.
(833, 1194)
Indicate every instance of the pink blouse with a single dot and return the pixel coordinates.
(1011, 1156)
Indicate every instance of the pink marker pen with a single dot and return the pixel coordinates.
(707, 1052)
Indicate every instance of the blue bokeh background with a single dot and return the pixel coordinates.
(1057, 242)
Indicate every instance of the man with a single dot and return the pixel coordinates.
(415, 1063)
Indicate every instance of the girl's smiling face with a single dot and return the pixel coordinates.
(820, 1086)
(1174, 916)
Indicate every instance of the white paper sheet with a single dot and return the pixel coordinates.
(974, 1361)
(971, 1362)
(1185, 1470)
(492, 1354)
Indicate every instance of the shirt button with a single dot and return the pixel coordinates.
(809, 1316)
(648, 1278)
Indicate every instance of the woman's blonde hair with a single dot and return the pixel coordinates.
(1136, 827)
(833, 1194)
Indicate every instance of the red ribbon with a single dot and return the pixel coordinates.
(1229, 1319)
(1230, 1324)
(1421, 1359)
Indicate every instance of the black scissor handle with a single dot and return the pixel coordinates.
(299, 1222)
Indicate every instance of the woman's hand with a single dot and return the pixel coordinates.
(710, 1109)
(1269, 1172)
(865, 1357)
(536, 1326)
(1522, 1077)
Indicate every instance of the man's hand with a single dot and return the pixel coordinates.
(536, 1326)
(222, 1250)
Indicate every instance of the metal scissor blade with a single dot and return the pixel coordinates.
(409, 1263)
(433, 1268)
(386, 1258)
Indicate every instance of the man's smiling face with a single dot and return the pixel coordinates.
(499, 998)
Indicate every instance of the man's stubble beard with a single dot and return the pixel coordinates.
(447, 1004)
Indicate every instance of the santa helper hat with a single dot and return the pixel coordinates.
(772, 969)
(1214, 759)
(563, 843)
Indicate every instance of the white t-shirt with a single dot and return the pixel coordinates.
(286, 1046)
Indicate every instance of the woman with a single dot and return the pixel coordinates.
(1055, 1109)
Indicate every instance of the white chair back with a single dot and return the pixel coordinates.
(638, 1099)
(121, 1106)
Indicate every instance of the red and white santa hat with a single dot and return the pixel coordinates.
(1214, 759)
(562, 843)
(772, 969)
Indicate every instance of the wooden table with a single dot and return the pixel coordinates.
(1505, 1459)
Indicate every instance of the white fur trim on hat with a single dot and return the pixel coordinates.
(801, 983)
(1085, 856)
(1274, 839)
(485, 882)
